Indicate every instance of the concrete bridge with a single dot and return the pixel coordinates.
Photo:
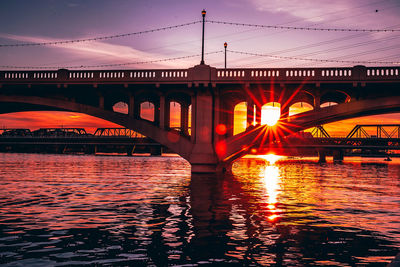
(207, 97)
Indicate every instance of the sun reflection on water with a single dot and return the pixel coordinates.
(271, 180)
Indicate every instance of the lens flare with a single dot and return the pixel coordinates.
(270, 115)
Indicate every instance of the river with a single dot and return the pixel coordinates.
(65, 210)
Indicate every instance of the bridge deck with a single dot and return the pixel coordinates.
(239, 75)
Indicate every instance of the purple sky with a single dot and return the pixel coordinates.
(49, 20)
(25, 21)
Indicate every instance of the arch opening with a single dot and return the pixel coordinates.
(121, 107)
(147, 111)
(175, 115)
(239, 118)
(270, 113)
(328, 104)
(299, 107)
(335, 96)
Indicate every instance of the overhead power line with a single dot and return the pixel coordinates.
(100, 37)
(313, 59)
(300, 28)
(109, 65)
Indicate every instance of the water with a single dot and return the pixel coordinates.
(60, 210)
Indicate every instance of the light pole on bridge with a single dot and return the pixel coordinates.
(203, 13)
(225, 46)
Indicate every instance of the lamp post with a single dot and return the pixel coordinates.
(203, 13)
(225, 46)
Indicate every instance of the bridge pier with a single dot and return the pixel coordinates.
(338, 155)
(203, 158)
(156, 150)
(321, 156)
(250, 112)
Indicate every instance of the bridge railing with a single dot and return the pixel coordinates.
(95, 75)
(356, 73)
(117, 132)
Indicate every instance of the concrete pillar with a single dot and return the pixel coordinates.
(101, 101)
(203, 157)
(156, 150)
(230, 121)
(193, 119)
(321, 156)
(217, 117)
(258, 115)
(338, 155)
(162, 113)
(250, 112)
(136, 109)
(131, 106)
(317, 99)
(129, 150)
(185, 118)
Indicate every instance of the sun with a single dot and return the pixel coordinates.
(270, 115)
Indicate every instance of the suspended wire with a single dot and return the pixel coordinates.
(313, 59)
(111, 65)
(100, 37)
(300, 28)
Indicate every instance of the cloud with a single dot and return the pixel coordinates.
(305, 9)
(109, 53)
(338, 12)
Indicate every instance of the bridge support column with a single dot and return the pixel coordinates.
(163, 113)
(338, 155)
(203, 158)
(317, 100)
(250, 113)
(129, 150)
(321, 156)
(185, 119)
(101, 101)
(131, 106)
(193, 120)
(258, 115)
(156, 150)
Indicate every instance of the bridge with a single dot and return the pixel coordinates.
(207, 97)
(363, 140)
(77, 140)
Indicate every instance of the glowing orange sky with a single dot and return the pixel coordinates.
(57, 119)
(340, 128)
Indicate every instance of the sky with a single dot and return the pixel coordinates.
(26, 21)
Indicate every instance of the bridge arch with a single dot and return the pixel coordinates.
(302, 97)
(174, 141)
(239, 145)
(299, 107)
(270, 113)
(121, 107)
(228, 103)
(239, 117)
(336, 96)
(147, 111)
